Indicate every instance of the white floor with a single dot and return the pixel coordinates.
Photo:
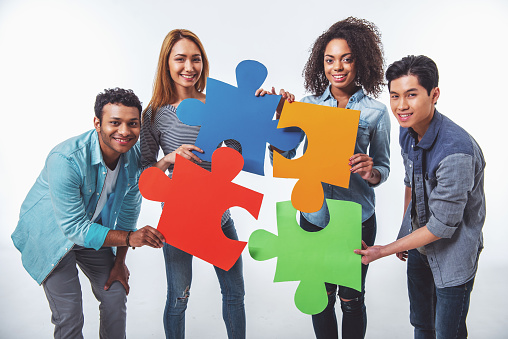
(24, 312)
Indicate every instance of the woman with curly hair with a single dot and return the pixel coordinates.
(344, 67)
(181, 73)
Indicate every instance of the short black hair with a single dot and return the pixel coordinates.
(421, 66)
(116, 95)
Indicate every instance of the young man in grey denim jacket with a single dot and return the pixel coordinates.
(441, 233)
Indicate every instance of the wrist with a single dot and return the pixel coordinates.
(127, 240)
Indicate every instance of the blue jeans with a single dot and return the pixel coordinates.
(354, 313)
(179, 276)
(435, 312)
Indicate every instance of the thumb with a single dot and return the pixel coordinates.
(108, 284)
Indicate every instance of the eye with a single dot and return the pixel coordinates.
(347, 60)
(394, 96)
(133, 124)
(115, 123)
(197, 59)
(328, 60)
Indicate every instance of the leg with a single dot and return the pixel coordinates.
(97, 265)
(233, 291)
(352, 302)
(178, 276)
(63, 292)
(324, 323)
(422, 295)
(451, 311)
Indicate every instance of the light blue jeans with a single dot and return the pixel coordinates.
(179, 277)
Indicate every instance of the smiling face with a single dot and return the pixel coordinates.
(411, 104)
(339, 67)
(118, 131)
(185, 63)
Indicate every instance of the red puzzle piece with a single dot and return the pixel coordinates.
(194, 201)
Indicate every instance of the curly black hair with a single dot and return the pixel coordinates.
(116, 95)
(364, 40)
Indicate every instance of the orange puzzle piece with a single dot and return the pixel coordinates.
(194, 201)
(331, 134)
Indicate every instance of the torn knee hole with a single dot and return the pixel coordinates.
(185, 294)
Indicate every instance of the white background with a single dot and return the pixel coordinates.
(55, 56)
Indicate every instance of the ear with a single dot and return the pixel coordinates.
(97, 124)
(435, 94)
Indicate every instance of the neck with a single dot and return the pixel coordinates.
(342, 95)
(183, 93)
(424, 126)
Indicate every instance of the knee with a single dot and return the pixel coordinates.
(115, 298)
(181, 299)
(353, 306)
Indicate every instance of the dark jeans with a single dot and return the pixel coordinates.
(354, 313)
(435, 312)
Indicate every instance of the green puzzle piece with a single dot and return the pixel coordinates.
(314, 258)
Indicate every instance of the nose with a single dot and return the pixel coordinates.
(124, 129)
(337, 65)
(188, 65)
(403, 105)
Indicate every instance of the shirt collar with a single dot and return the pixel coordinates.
(431, 134)
(357, 96)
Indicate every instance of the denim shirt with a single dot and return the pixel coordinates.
(57, 212)
(373, 138)
(445, 172)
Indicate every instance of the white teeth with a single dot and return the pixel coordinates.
(339, 76)
(404, 115)
(188, 76)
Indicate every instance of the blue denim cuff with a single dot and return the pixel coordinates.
(96, 236)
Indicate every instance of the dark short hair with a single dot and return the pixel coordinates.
(364, 40)
(422, 67)
(116, 95)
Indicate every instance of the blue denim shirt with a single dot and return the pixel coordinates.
(57, 212)
(373, 138)
(445, 173)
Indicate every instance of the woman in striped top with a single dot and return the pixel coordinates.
(181, 74)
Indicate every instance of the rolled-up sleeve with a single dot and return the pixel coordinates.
(379, 149)
(454, 181)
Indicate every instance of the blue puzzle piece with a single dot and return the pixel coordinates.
(236, 113)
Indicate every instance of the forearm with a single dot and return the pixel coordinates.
(163, 164)
(121, 253)
(418, 238)
(116, 238)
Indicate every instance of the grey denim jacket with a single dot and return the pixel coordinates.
(445, 171)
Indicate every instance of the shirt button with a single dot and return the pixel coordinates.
(89, 191)
(103, 172)
(410, 165)
(98, 194)
(90, 213)
(52, 264)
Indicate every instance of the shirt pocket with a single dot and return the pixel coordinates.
(362, 137)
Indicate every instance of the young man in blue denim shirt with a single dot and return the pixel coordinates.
(441, 233)
(84, 202)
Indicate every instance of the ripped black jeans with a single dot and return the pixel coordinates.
(354, 313)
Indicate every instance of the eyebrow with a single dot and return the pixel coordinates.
(343, 55)
(118, 118)
(198, 54)
(409, 90)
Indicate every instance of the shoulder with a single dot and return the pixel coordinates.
(374, 106)
(452, 138)
(312, 99)
(76, 144)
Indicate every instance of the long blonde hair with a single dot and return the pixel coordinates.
(163, 84)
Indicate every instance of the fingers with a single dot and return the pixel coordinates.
(147, 236)
(286, 95)
(402, 255)
(186, 152)
(125, 285)
(261, 92)
(361, 163)
(364, 245)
